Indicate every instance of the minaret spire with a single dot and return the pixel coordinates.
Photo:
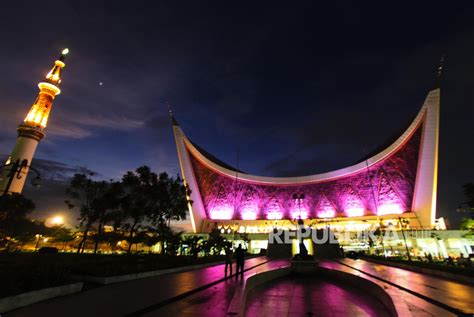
(49, 88)
(32, 130)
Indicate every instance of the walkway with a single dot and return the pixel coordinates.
(213, 301)
(309, 295)
(455, 295)
(128, 297)
(205, 292)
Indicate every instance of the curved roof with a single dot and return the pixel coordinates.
(229, 171)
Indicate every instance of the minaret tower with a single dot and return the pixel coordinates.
(32, 130)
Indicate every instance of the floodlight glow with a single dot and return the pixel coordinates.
(328, 213)
(249, 213)
(389, 209)
(57, 220)
(221, 212)
(274, 215)
(299, 213)
(355, 212)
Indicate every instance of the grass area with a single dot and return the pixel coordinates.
(23, 272)
(440, 266)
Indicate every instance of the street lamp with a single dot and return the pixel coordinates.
(15, 172)
(38, 237)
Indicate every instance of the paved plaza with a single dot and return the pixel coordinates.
(206, 292)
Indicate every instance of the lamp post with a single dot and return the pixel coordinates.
(298, 198)
(404, 238)
(15, 172)
(303, 250)
(38, 237)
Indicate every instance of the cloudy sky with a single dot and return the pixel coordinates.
(290, 88)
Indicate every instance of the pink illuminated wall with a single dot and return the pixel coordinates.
(385, 188)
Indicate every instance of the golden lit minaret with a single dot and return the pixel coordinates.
(32, 130)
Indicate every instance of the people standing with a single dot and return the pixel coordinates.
(240, 259)
(229, 253)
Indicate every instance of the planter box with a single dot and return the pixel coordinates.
(25, 299)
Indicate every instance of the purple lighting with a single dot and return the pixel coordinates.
(328, 213)
(222, 213)
(274, 215)
(299, 213)
(249, 213)
(326, 209)
(355, 212)
(389, 209)
(387, 187)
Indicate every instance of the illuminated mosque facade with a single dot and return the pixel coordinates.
(399, 182)
(395, 188)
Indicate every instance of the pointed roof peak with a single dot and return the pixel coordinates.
(173, 120)
(439, 72)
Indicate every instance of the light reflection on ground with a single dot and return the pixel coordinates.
(303, 295)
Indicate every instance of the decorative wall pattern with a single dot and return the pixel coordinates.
(384, 188)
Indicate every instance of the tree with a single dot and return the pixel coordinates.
(173, 242)
(13, 222)
(194, 244)
(107, 205)
(63, 235)
(467, 223)
(153, 198)
(138, 200)
(98, 201)
(173, 198)
(170, 202)
(214, 244)
(468, 206)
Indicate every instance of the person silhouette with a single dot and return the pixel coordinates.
(240, 259)
(228, 258)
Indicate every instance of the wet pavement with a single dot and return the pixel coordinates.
(303, 295)
(453, 294)
(213, 301)
(204, 292)
(127, 297)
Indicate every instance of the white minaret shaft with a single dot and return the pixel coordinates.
(32, 130)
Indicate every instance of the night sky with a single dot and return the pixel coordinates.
(276, 88)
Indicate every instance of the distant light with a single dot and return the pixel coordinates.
(101, 83)
(57, 220)
(65, 51)
(54, 221)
